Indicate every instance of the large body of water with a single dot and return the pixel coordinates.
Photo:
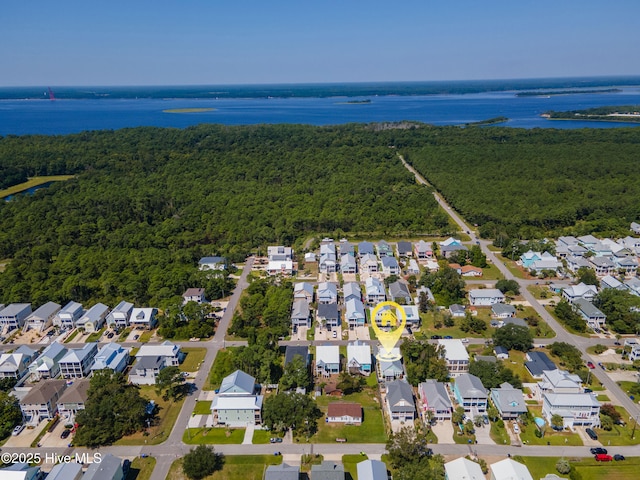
(30, 111)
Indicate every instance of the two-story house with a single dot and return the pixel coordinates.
(434, 401)
(78, 361)
(470, 393)
(238, 402)
(455, 355)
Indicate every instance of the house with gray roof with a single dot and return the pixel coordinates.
(502, 310)
(119, 317)
(212, 263)
(328, 259)
(348, 264)
(236, 403)
(292, 350)
(303, 291)
(328, 315)
(574, 292)
(404, 249)
(43, 317)
(457, 311)
(94, 318)
(354, 313)
(591, 314)
(67, 317)
(327, 471)
(423, 251)
(372, 470)
(399, 401)
(65, 471)
(470, 393)
(112, 356)
(359, 358)
(369, 263)
(559, 381)
(351, 290)
(501, 352)
(327, 293)
(434, 399)
(73, 399)
(346, 248)
(145, 370)
(300, 314)
(399, 291)
(47, 365)
(13, 316)
(515, 321)
(41, 402)
(327, 360)
(143, 318)
(448, 250)
(384, 249)
(537, 363)
(390, 266)
(365, 248)
(78, 361)
(374, 290)
(16, 364)
(109, 468)
(509, 401)
(282, 472)
(485, 297)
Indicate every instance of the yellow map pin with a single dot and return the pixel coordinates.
(388, 318)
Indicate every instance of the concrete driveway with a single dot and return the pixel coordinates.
(444, 431)
(26, 437)
(482, 435)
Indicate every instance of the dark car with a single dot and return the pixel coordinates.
(598, 451)
(135, 337)
(617, 457)
(110, 335)
(592, 434)
(436, 337)
(126, 465)
(588, 390)
(448, 337)
(65, 433)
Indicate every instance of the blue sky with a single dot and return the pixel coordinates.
(163, 42)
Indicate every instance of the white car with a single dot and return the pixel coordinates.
(465, 340)
(516, 428)
(17, 430)
(335, 334)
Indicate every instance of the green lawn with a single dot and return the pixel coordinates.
(261, 436)
(72, 336)
(626, 387)
(515, 363)
(516, 270)
(236, 467)
(540, 292)
(568, 329)
(167, 414)
(603, 398)
(202, 408)
(146, 336)
(95, 336)
(141, 468)
(124, 334)
(427, 329)
(588, 468)
(551, 437)
(499, 434)
(372, 429)
(350, 463)
(620, 435)
(218, 436)
(491, 272)
(221, 368)
(32, 182)
(193, 359)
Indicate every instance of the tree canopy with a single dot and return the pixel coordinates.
(513, 337)
(10, 414)
(422, 361)
(201, 462)
(294, 411)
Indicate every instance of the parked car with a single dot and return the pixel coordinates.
(135, 337)
(592, 435)
(591, 365)
(335, 334)
(436, 337)
(600, 364)
(448, 337)
(110, 335)
(126, 465)
(278, 440)
(601, 457)
(598, 451)
(17, 430)
(617, 457)
(65, 433)
(465, 340)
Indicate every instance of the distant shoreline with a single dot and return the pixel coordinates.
(188, 110)
(550, 93)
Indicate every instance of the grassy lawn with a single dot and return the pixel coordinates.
(427, 329)
(141, 468)
(193, 359)
(499, 434)
(202, 408)
(124, 334)
(261, 436)
(372, 429)
(221, 368)
(307, 461)
(588, 468)
(236, 467)
(603, 398)
(491, 272)
(515, 363)
(33, 182)
(620, 435)
(218, 436)
(146, 336)
(540, 292)
(542, 330)
(516, 270)
(95, 336)
(568, 329)
(463, 439)
(72, 336)
(167, 414)
(551, 437)
(350, 463)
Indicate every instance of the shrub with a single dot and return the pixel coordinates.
(563, 466)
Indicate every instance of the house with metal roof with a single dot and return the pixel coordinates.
(303, 291)
(351, 290)
(374, 290)
(47, 365)
(327, 360)
(109, 468)
(404, 249)
(112, 356)
(509, 469)
(485, 297)
(66, 471)
(119, 316)
(390, 370)
(576, 409)
(300, 314)
(434, 400)
(423, 251)
(94, 318)
(390, 266)
(328, 315)
(399, 290)
(236, 403)
(470, 393)
(78, 361)
(590, 313)
(509, 401)
(559, 381)
(16, 364)
(212, 263)
(359, 358)
(369, 263)
(346, 248)
(143, 318)
(348, 264)
(372, 470)
(43, 317)
(327, 293)
(455, 355)
(502, 310)
(13, 316)
(463, 469)
(292, 350)
(365, 248)
(67, 317)
(399, 401)
(354, 313)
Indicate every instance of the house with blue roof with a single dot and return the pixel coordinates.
(112, 356)
(78, 361)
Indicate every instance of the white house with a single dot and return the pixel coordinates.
(94, 318)
(193, 295)
(327, 360)
(456, 356)
(143, 318)
(375, 291)
(509, 469)
(112, 356)
(212, 263)
(559, 381)
(47, 365)
(43, 317)
(485, 297)
(359, 358)
(463, 469)
(170, 352)
(78, 361)
(280, 253)
(67, 317)
(14, 315)
(572, 293)
(368, 263)
(344, 412)
(354, 313)
(236, 404)
(576, 409)
(119, 316)
(16, 364)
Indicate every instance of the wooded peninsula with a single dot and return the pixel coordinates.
(146, 203)
(625, 113)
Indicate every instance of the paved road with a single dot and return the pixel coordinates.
(561, 334)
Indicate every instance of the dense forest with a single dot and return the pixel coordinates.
(618, 113)
(147, 203)
(534, 183)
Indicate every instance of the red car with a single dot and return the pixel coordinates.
(602, 457)
(591, 365)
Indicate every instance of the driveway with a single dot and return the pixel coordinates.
(586, 439)
(444, 431)
(482, 435)
(26, 437)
